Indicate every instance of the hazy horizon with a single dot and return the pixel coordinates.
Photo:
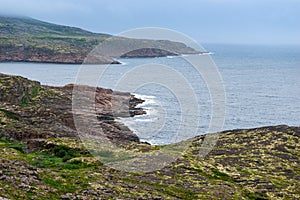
(207, 21)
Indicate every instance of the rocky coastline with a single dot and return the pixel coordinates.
(51, 108)
(43, 158)
(45, 55)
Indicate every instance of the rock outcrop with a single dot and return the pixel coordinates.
(43, 111)
(47, 55)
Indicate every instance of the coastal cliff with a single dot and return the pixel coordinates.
(43, 158)
(29, 40)
(44, 111)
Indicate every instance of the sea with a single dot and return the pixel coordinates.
(261, 88)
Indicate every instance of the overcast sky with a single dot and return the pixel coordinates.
(207, 21)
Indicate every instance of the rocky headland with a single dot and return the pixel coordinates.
(42, 156)
(24, 39)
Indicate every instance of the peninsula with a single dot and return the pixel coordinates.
(24, 39)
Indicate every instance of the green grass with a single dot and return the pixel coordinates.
(16, 146)
(60, 185)
(222, 176)
(12, 144)
(277, 183)
(244, 171)
(29, 96)
(64, 152)
(107, 156)
(9, 114)
(177, 192)
(57, 158)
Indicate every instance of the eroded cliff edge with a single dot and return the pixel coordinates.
(43, 111)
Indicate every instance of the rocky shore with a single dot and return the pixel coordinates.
(45, 111)
(46, 55)
(43, 158)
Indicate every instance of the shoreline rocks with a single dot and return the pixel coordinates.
(46, 111)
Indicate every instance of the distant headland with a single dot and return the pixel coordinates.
(24, 39)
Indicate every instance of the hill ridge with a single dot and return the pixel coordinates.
(31, 40)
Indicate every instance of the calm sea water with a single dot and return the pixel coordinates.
(261, 83)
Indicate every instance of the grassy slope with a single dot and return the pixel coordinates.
(268, 170)
(32, 36)
(262, 163)
(26, 39)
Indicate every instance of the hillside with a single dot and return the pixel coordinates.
(31, 40)
(43, 158)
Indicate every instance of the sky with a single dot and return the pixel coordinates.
(206, 21)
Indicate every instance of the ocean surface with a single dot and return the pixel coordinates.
(262, 88)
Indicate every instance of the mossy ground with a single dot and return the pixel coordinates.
(232, 170)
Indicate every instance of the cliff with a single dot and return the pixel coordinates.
(42, 157)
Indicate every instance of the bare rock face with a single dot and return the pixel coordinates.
(45, 112)
(45, 55)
